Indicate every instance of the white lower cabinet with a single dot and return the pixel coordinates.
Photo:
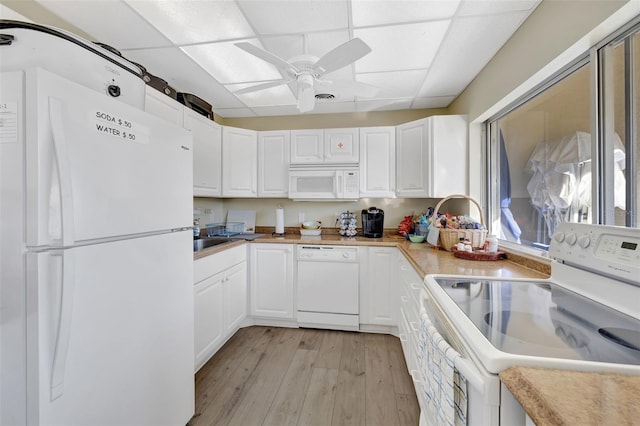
(410, 285)
(379, 287)
(271, 281)
(220, 300)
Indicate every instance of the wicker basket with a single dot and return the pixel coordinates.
(450, 237)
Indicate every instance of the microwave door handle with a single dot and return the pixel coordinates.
(339, 184)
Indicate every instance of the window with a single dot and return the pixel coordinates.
(567, 152)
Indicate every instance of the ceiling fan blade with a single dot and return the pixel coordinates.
(341, 56)
(267, 56)
(347, 88)
(262, 86)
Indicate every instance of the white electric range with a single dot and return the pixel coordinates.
(585, 317)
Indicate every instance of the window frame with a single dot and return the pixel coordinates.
(595, 57)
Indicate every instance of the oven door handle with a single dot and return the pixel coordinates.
(487, 385)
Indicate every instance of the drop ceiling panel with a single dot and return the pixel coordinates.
(183, 74)
(194, 22)
(276, 110)
(229, 64)
(383, 105)
(395, 84)
(492, 7)
(334, 106)
(368, 13)
(401, 47)
(302, 16)
(234, 112)
(463, 55)
(280, 95)
(432, 102)
(110, 22)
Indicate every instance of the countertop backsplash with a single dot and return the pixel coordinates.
(210, 210)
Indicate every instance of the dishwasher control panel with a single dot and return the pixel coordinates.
(321, 253)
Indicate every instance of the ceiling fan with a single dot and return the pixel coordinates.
(306, 72)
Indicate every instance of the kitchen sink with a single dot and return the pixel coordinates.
(207, 242)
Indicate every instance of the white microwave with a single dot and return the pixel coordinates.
(322, 183)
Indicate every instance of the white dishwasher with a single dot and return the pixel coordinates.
(328, 287)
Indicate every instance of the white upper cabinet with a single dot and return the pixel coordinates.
(207, 154)
(341, 146)
(273, 163)
(317, 146)
(431, 157)
(239, 162)
(307, 146)
(448, 150)
(160, 105)
(378, 162)
(412, 158)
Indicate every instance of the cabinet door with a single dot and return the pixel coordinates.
(412, 159)
(273, 164)
(235, 297)
(271, 280)
(342, 146)
(307, 146)
(207, 154)
(377, 162)
(449, 146)
(383, 297)
(239, 162)
(209, 329)
(160, 105)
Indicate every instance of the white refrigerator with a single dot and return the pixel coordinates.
(96, 258)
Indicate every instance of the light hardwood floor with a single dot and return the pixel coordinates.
(288, 376)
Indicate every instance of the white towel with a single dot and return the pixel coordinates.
(445, 389)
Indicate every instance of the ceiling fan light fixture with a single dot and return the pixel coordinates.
(306, 94)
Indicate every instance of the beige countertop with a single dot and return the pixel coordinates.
(560, 397)
(424, 258)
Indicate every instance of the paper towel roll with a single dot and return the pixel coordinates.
(279, 221)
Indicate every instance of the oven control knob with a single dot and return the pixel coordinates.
(559, 236)
(571, 239)
(584, 241)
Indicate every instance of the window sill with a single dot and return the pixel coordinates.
(535, 259)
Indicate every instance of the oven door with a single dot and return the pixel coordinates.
(483, 388)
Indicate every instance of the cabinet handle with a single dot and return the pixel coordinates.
(405, 299)
(414, 325)
(414, 286)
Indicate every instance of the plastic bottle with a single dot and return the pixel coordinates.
(493, 243)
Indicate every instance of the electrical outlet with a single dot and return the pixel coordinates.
(300, 217)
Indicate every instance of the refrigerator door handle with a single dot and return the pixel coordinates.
(66, 282)
(64, 209)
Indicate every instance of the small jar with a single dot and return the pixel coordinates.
(492, 247)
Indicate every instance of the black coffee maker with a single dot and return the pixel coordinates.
(372, 222)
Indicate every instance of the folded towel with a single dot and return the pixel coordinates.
(445, 389)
